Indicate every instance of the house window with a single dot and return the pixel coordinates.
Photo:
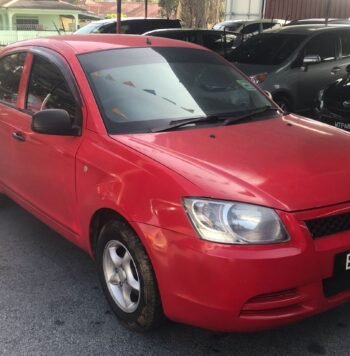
(27, 24)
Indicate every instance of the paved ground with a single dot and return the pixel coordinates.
(51, 304)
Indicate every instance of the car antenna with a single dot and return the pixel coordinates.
(148, 41)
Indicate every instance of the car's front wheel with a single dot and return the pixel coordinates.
(127, 277)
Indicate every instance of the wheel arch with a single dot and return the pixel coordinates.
(285, 95)
(100, 218)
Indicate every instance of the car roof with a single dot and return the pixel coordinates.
(183, 30)
(79, 44)
(107, 21)
(307, 29)
(227, 22)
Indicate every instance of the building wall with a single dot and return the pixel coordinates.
(243, 9)
(299, 9)
(283, 9)
(47, 19)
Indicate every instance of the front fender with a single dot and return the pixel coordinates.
(113, 176)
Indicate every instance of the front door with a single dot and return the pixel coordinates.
(11, 70)
(45, 164)
(314, 77)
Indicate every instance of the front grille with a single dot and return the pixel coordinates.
(329, 225)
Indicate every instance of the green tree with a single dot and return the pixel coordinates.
(168, 7)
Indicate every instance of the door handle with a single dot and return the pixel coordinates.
(335, 70)
(18, 136)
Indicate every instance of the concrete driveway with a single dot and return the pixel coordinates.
(51, 304)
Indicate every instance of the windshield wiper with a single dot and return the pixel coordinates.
(217, 117)
(183, 122)
(250, 115)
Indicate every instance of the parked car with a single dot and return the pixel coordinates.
(333, 103)
(134, 26)
(221, 42)
(195, 195)
(295, 62)
(248, 28)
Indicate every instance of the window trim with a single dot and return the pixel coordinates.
(67, 74)
(23, 77)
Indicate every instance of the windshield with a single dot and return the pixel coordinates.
(93, 27)
(267, 48)
(140, 89)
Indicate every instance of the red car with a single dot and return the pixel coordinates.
(198, 199)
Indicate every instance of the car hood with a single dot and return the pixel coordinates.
(289, 163)
(252, 69)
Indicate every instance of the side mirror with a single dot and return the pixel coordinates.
(54, 122)
(312, 59)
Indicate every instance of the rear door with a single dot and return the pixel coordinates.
(11, 72)
(46, 163)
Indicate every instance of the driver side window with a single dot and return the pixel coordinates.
(48, 89)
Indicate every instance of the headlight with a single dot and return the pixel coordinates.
(258, 78)
(234, 223)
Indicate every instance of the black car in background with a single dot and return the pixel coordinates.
(133, 26)
(222, 42)
(333, 103)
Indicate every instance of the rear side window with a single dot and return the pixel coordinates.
(345, 43)
(231, 27)
(324, 46)
(48, 89)
(267, 48)
(268, 25)
(251, 29)
(179, 35)
(11, 69)
(213, 41)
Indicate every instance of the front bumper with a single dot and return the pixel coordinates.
(332, 119)
(246, 288)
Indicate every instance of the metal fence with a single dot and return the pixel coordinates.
(20, 33)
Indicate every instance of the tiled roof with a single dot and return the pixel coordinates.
(39, 4)
(132, 9)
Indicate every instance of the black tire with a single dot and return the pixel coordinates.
(148, 314)
(283, 102)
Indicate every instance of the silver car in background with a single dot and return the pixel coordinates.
(248, 28)
(295, 62)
